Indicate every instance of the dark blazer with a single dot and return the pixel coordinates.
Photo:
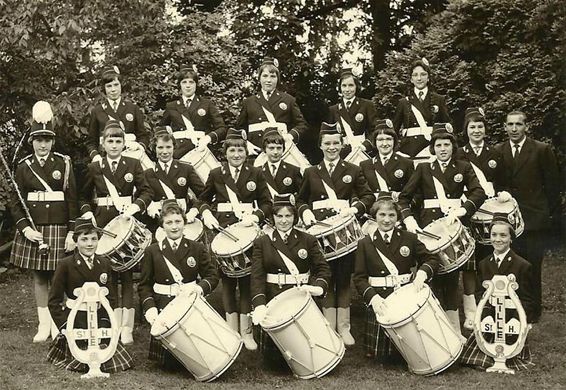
(204, 116)
(128, 176)
(250, 187)
(58, 174)
(396, 172)
(347, 181)
(533, 179)
(73, 272)
(181, 178)
(284, 108)
(513, 264)
(287, 179)
(404, 250)
(490, 161)
(129, 114)
(266, 260)
(361, 117)
(433, 109)
(191, 259)
(458, 174)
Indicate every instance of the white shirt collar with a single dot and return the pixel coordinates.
(389, 234)
(476, 146)
(425, 90)
(335, 162)
(188, 98)
(39, 158)
(233, 169)
(385, 157)
(520, 143)
(265, 94)
(501, 256)
(177, 241)
(111, 102)
(111, 160)
(447, 162)
(349, 100)
(163, 164)
(282, 234)
(277, 164)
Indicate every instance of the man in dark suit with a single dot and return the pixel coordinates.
(531, 176)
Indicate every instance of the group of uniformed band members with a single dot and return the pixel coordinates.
(386, 187)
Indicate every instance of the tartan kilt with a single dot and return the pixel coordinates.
(472, 355)
(158, 353)
(25, 253)
(378, 344)
(60, 355)
(272, 356)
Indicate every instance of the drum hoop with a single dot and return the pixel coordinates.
(137, 257)
(286, 322)
(169, 331)
(410, 316)
(240, 250)
(123, 239)
(448, 242)
(333, 228)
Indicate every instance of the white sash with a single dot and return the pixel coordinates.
(43, 182)
(329, 191)
(352, 140)
(487, 186)
(420, 119)
(381, 181)
(271, 190)
(237, 207)
(269, 115)
(113, 192)
(388, 263)
(168, 191)
(442, 199)
(289, 264)
(175, 273)
(190, 129)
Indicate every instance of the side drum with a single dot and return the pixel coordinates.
(234, 256)
(203, 161)
(481, 220)
(337, 235)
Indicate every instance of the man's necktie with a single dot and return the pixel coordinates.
(384, 161)
(115, 105)
(386, 238)
(331, 166)
(114, 166)
(273, 170)
(188, 102)
(515, 150)
(236, 174)
(42, 162)
(421, 96)
(285, 237)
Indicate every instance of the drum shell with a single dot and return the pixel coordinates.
(235, 260)
(203, 161)
(347, 229)
(292, 155)
(200, 339)
(480, 222)
(424, 336)
(306, 340)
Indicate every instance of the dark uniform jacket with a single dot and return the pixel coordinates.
(347, 181)
(396, 172)
(301, 248)
(404, 250)
(58, 174)
(250, 187)
(287, 179)
(512, 264)
(361, 117)
(434, 110)
(533, 180)
(191, 259)
(458, 174)
(204, 116)
(128, 176)
(283, 107)
(72, 272)
(182, 179)
(489, 161)
(129, 114)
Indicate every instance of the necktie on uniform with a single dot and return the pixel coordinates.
(384, 160)
(331, 168)
(115, 105)
(267, 95)
(89, 262)
(188, 102)
(114, 166)
(498, 261)
(515, 150)
(42, 162)
(386, 238)
(421, 96)
(174, 246)
(273, 170)
(285, 237)
(348, 104)
(477, 150)
(236, 174)
(443, 166)
(166, 168)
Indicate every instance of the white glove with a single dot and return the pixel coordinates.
(308, 218)
(154, 209)
(151, 315)
(420, 279)
(288, 137)
(191, 288)
(252, 149)
(131, 210)
(454, 214)
(249, 219)
(203, 142)
(378, 305)
(411, 224)
(209, 220)
(259, 314)
(32, 235)
(315, 291)
(348, 211)
(395, 196)
(503, 197)
(191, 215)
(97, 158)
(362, 147)
(69, 242)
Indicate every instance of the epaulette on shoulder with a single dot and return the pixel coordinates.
(25, 158)
(62, 155)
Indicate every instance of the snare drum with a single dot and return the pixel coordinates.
(292, 155)
(193, 231)
(302, 334)
(234, 257)
(203, 161)
(455, 246)
(140, 155)
(420, 330)
(356, 156)
(480, 221)
(337, 235)
(197, 336)
(126, 249)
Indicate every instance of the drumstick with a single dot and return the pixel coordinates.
(322, 224)
(485, 212)
(106, 232)
(428, 234)
(227, 234)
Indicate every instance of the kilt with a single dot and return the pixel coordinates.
(272, 357)
(60, 355)
(481, 252)
(377, 342)
(158, 353)
(25, 253)
(472, 355)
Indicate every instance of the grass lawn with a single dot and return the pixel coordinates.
(23, 364)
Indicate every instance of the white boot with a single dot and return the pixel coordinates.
(44, 327)
(330, 315)
(118, 315)
(454, 319)
(343, 324)
(233, 321)
(54, 329)
(470, 308)
(128, 317)
(246, 330)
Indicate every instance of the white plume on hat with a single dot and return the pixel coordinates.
(41, 112)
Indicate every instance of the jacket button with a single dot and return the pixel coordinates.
(382, 272)
(166, 280)
(47, 206)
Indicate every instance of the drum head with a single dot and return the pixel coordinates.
(440, 228)
(335, 222)
(494, 206)
(403, 303)
(192, 231)
(173, 313)
(369, 227)
(195, 157)
(120, 226)
(222, 245)
(284, 307)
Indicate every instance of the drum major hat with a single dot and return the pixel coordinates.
(284, 200)
(330, 128)
(442, 131)
(236, 134)
(42, 120)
